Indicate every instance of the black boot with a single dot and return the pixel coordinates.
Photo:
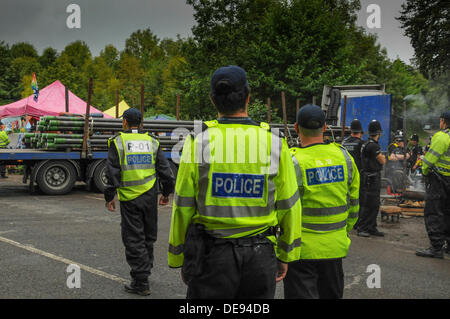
(141, 288)
(430, 252)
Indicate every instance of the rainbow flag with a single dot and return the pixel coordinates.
(34, 86)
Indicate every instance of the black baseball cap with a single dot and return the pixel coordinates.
(132, 116)
(233, 76)
(445, 115)
(311, 117)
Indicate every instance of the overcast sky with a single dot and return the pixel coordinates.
(43, 22)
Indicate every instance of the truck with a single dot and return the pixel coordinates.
(343, 103)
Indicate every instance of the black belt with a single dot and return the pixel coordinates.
(249, 241)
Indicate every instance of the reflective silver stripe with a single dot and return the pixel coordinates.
(176, 250)
(353, 215)
(182, 201)
(324, 211)
(236, 211)
(427, 162)
(275, 154)
(155, 145)
(441, 169)
(137, 183)
(349, 161)
(221, 233)
(287, 248)
(136, 166)
(443, 162)
(434, 153)
(288, 203)
(325, 227)
(354, 202)
(298, 171)
(120, 148)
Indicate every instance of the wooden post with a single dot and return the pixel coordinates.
(269, 111)
(344, 114)
(314, 100)
(404, 139)
(283, 104)
(178, 106)
(117, 104)
(297, 107)
(142, 100)
(67, 99)
(86, 121)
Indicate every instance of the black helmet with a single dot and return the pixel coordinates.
(356, 127)
(399, 136)
(414, 137)
(375, 127)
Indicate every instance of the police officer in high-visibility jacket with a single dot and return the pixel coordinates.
(328, 180)
(4, 142)
(436, 169)
(234, 187)
(134, 160)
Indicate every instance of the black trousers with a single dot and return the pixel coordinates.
(370, 199)
(437, 211)
(139, 232)
(236, 272)
(2, 170)
(314, 279)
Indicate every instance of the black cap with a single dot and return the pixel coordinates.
(233, 76)
(133, 116)
(445, 115)
(311, 117)
(356, 127)
(375, 127)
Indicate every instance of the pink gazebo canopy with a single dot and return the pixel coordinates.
(51, 101)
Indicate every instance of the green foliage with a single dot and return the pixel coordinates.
(295, 46)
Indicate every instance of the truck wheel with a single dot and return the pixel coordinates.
(100, 177)
(56, 177)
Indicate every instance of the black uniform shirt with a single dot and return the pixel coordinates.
(353, 146)
(415, 152)
(369, 153)
(113, 174)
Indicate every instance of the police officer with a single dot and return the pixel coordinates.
(416, 151)
(354, 142)
(4, 142)
(134, 160)
(234, 186)
(372, 161)
(436, 169)
(328, 181)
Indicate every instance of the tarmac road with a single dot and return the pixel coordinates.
(40, 236)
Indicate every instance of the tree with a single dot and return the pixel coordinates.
(427, 24)
(48, 57)
(23, 49)
(77, 54)
(143, 45)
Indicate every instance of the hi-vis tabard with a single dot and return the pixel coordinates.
(328, 181)
(4, 139)
(438, 156)
(236, 179)
(137, 163)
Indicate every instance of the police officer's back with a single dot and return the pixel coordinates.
(234, 185)
(354, 142)
(328, 181)
(134, 161)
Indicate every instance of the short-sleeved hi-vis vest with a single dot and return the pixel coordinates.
(4, 139)
(328, 180)
(438, 156)
(137, 154)
(236, 180)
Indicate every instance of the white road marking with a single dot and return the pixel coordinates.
(64, 260)
(97, 198)
(356, 280)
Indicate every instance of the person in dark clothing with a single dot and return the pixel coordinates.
(416, 151)
(354, 142)
(134, 160)
(372, 161)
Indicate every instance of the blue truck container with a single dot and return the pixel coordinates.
(364, 102)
